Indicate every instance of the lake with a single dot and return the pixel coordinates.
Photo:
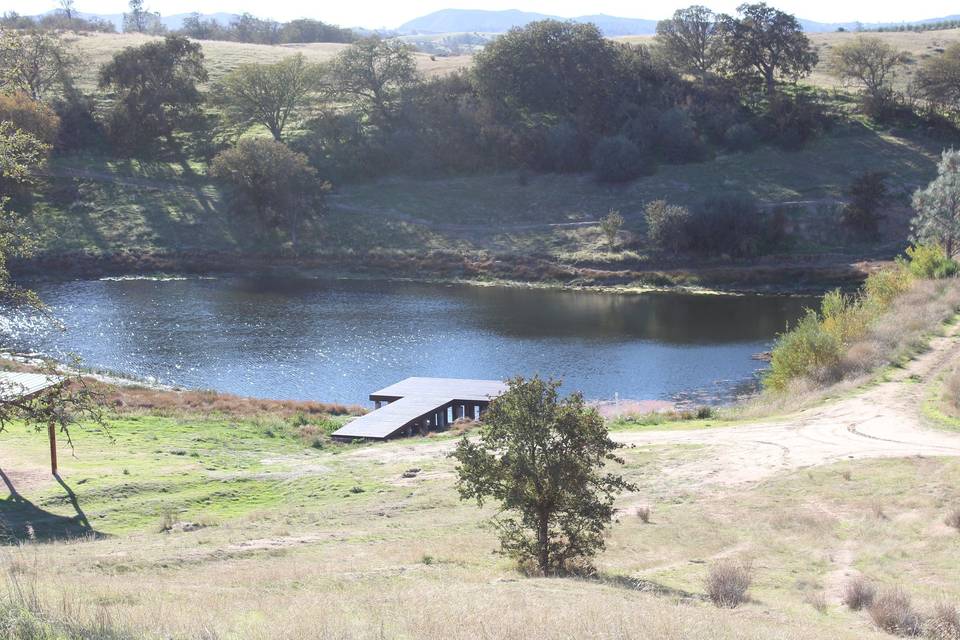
(339, 340)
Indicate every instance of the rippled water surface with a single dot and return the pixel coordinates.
(338, 341)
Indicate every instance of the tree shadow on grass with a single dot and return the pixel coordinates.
(646, 586)
(23, 521)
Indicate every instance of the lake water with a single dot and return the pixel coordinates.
(339, 340)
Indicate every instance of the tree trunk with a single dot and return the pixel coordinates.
(543, 539)
(771, 83)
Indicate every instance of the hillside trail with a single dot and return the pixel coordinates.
(882, 420)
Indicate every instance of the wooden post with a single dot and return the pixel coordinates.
(52, 435)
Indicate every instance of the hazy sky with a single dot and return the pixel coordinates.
(387, 13)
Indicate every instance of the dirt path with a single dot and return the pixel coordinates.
(882, 421)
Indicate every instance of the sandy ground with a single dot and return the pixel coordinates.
(882, 421)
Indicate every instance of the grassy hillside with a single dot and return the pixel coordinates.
(242, 529)
(918, 45)
(100, 205)
(221, 56)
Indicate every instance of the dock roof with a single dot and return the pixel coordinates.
(415, 398)
(453, 388)
(15, 385)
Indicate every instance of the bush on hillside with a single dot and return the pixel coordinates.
(741, 137)
(732, 225)
(677, 140)
(893, 612)
(30, 116)
(667, 225)
(867, 194)
(616, 159)
(930, 261)
(815, 348)
(562, 149)
(728, 582)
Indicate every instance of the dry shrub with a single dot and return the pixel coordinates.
(892, 611)
(817, 600)
(944, 623)
(728, 582)
(858, 593)
(951, 389)
(643, 512)
(953, 519)
(877, 510)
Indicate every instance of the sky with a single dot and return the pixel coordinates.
(392, 13)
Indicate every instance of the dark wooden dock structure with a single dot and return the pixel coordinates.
(420, 405)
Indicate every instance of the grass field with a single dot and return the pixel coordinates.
(917, 45)
(242, 529)
(222, 56)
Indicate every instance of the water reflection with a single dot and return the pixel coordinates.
(337, 341)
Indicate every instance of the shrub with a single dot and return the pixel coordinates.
(728, 582)
(892, 611)
(804, 351)
(944, 624)
(676, 137)
(930, 261)
(953, 519)
(816, 346)
(867, 193)
(30, 116)
(858, 593)
(732, 225)
(611, 224)
(667, 225)
(562, 149)
(643, 513)
(616, 159)
(741, 137)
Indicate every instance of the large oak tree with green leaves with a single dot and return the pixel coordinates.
(542, 458)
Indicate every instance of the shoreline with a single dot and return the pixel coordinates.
(758, 278)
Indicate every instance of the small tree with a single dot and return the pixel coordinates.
(939, 78)
(689, 40)
(372, 73)
(141, 20)
(937, 219)
(269, 94)
(542, 458)
(667, 225)
(766, 42)
(867, 195)
(21, 154)
(872, 64)
(34, 63)
(275, 181)
(611, 225)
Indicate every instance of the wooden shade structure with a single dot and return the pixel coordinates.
(16, 387)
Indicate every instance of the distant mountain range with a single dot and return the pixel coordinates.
(484, 21)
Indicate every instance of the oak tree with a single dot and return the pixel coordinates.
(542, 458)
(269, 94)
